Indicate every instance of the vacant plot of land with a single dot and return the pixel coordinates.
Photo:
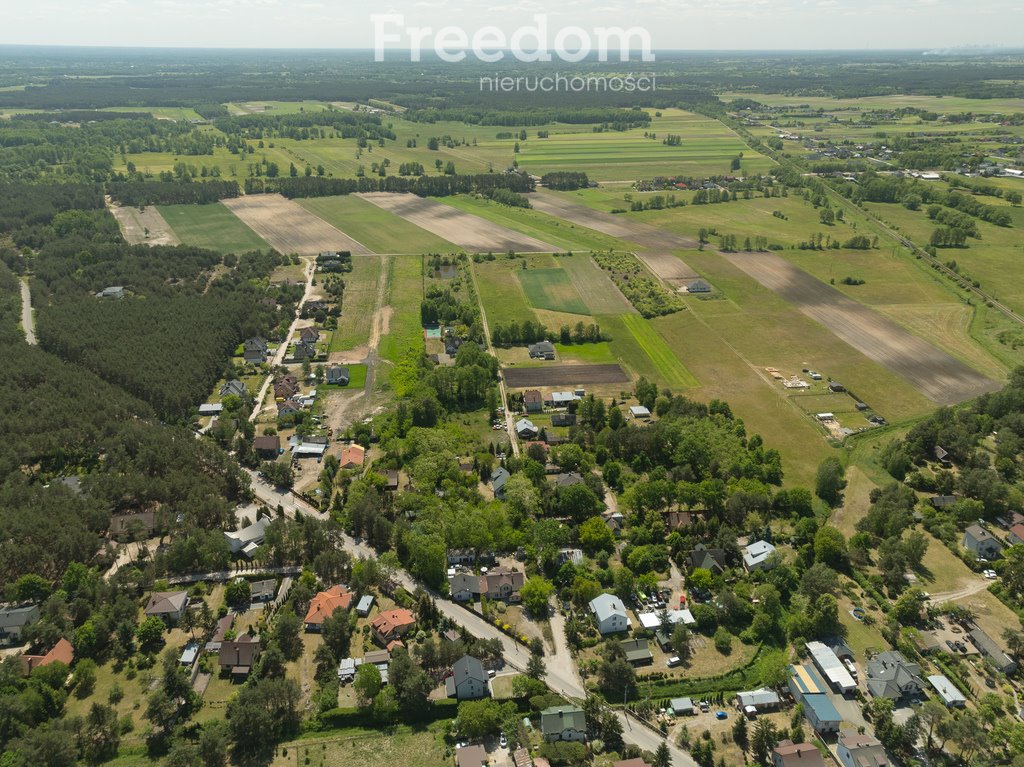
(144, 227)
(465, 230)
(377, 229)
(551, 289)
(211, 226)
(672, 372)
(934, 373)
(561, 375)
(598, 292)
(290, 228)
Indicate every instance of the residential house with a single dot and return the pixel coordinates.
(563, 723)
(758, 556)
(458, 557)
(365, 605)
(682, 706)
(264, 591)
(947, 691)
(169, 605)
(114, 291)
(790, 754)
(563, 419)
(267, 447)
(502, 583)
(499, 478)
(615, 522)
(856, 750)
(525, 429)
(286, 387)
(465, 587)
(891, 675)
(235, 387)
(132, 526)
(638, 652)
(698, 286)
(239, 656)
(309, 335)
(391, 625)
(758, 700)
(988, 647)
(221, 629)
(211, 408)
(249, 538)
(1016, 534)
(568, 480)
(707, 559)
(942, 455)
(542, 350)
(821, 713)
(942, 501)
(391, 483)
(560, 399)
(981, 542)
(288, 407)
(255, 350)
(352, 456)
(337, 375)
(323, 605)
(609, 614)
(679, 520)
(471, 756)
(62, 652)
(533, 401)
(468, 680)
(304, 351)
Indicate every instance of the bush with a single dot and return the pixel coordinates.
(723, 640)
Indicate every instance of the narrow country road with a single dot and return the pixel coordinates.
(28, 320)
(282, 349)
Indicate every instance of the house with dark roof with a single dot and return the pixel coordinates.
(542, 350)
(892, 676)
(169, 605)
(563, 419)
(708, 559)
(638, 652)
(14, 620)
(239, 656)
(249, 538)
(235, 387)
(288, 407)
(533, 401)
(337, 375)
(981, 542)
(995, 654)
(856, 750)
(468, 680)
(471, 756)
(499, 478)
(267, 447)
(132, 526)
(526, 429)
(264, 591)
(698, 286)
(568, 480)
(790, 754)
(255, 350)
(304, 351)
(309, 335)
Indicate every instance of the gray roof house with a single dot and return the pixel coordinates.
(365, 605)
(637, 652)
(499, 477)
(235, 387)
(542, 350)
(255, 349)
(988, 647)
(468, 680)
(337, 375)
(248, 539)
(947, 691)
(757, 556)
(857, 750)
(981, 542)
(114, 291)
(526, 429)
(758, 700)
(890, 675)
(264, 591)
(609, 613)
(563, 723)
(709, 559)
(168, 605)
(13, 621)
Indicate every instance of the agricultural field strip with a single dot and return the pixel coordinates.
(657, 242)
(471, 232)
(938, 376)
(564, 375)
(289, 228)
(145, 227)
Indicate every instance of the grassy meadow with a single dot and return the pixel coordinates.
(211, 226)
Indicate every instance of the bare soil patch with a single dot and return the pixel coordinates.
(934, 373)
(475, 234)
(555, 375)
(289, 228)
(143, 227)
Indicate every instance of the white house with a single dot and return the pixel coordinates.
(468, 680)
(859, 750)
(756, 556)
(249, 538)
(609, 614)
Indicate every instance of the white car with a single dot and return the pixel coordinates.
(503, 741)
(990, 574)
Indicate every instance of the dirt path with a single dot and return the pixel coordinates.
(289, 228)
(475, 234)
(955, 596)
(944, 380)
(142, 227)
(28, 320)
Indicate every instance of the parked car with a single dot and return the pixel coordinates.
(951, 645)
(721, 715)
(674, 661)
(503, 741)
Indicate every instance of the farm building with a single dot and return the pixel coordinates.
(947, 691)
(828, 663)
(681, 706)
(639, 411)
(821, 713)
(988, 647)
(560, 399)
(698, 286)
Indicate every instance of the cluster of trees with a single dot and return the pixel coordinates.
(139, 192)
(657, 202)
(424, 186)
(647, 295)
(565, 181)
(300, 126)
(616, 119)
(507, 197)
(515, 333)
(25, 204)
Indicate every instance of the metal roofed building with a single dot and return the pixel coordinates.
(828, 663)
(758, 700)
(947, 691)
(821, 712)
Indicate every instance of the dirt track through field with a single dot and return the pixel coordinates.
(564, 375)
(934, 373)
(475, 234)
(143, 227)
(289, 228)
(656, 245)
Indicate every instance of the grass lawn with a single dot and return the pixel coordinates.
(358, 303)
(551, 289)
(501, 294)
(404, 332)
(600, 353)
(211, 226)
(671, 370)
(595, 287)
(379, 230)
(406, 747)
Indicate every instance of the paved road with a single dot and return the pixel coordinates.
(282, 349)
(28, 320)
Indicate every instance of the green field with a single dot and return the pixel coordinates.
(379, 230)
(671, 371)
(551, 289)
(403, 334)
(359, 301)
(501, 294)
(211, 226)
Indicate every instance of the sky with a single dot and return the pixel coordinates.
(671, 24)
